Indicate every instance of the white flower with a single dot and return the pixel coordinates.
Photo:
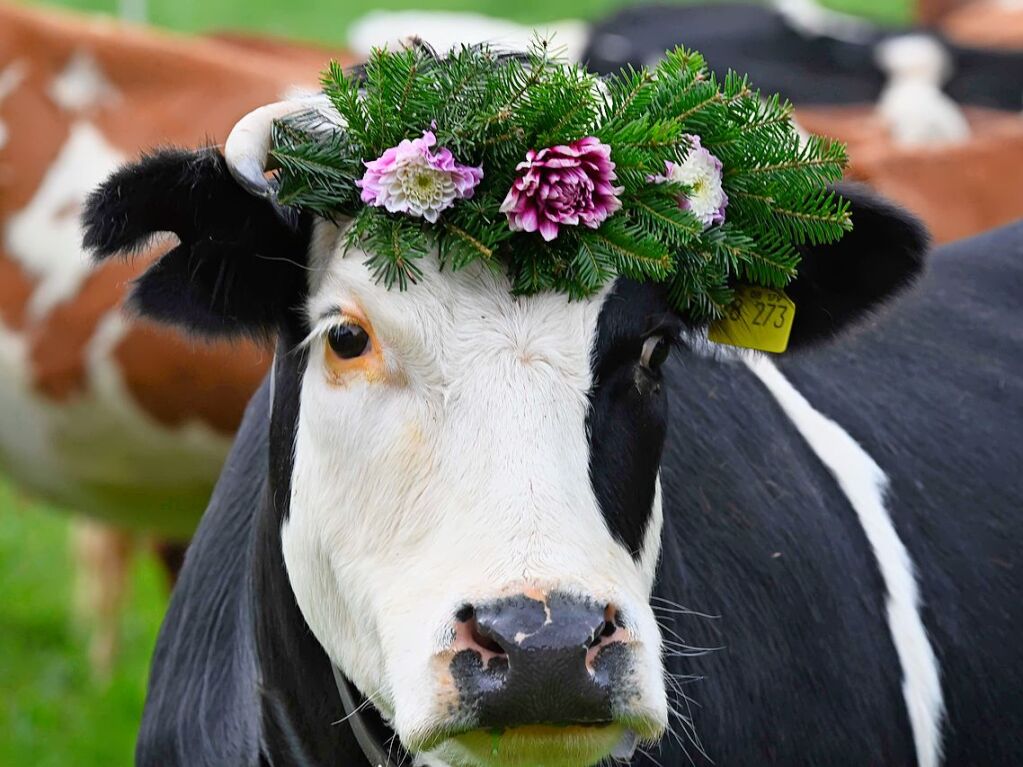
(414, 178)
(701, 172)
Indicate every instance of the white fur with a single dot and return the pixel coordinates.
(446, 30)
(865, 485)
(45, 237)
(11, 77)
(82, 85)
(912, 105)
(462, 477)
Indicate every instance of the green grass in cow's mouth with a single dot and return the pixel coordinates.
(533, 746)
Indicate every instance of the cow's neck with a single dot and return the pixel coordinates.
(300, 701)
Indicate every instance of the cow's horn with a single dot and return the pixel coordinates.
(247, 147)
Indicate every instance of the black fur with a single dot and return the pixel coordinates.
(240, 263)
(806, 69)
(628, 410)
(202, 707)
(839, 283)
(934, 393)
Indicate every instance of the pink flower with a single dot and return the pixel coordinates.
(415, 179)
(563, 186)
(702, 172)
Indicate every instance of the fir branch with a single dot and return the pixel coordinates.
(635, 254)
(489, 110)
(480, 250)
(661, 217)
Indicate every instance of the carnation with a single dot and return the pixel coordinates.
(564, 185)
(416, 179)
(701, 173)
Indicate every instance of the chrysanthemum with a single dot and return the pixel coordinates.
(415, 179)
(701, 173)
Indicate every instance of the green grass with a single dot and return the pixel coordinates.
(51, 712)
(319, 20)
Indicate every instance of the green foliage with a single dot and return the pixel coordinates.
(489, 110)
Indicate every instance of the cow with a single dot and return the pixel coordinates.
(796, 49)
(986, 24)
(460, 528)
(102, 413)
(982, 170)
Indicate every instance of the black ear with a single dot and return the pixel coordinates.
(839, 283)
(239, 266)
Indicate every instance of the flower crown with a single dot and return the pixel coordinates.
(564, 179)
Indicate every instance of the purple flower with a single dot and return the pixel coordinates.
(415, 179)
(702, 173)
(563, 185)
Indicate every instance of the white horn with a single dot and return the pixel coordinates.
(248, 146)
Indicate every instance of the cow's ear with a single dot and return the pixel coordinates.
(839, 283)
(239, 265)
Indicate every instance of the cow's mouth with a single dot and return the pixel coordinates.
(570, 745)
(556, 746)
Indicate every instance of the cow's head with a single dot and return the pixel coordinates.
(473, 520)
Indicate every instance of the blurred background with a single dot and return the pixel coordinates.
(81, 605)
(326, 22)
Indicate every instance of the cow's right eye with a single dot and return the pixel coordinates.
(655, 352)
(348, 341)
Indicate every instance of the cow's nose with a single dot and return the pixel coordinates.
(538, 660)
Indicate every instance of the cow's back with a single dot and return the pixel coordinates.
(779, 580)
(933, 390)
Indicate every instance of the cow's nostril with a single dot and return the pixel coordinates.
(471, 636)
(487, 643)
(612, 622)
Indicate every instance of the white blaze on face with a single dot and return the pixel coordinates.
(453, 470)
(45, 237)
(82, 85)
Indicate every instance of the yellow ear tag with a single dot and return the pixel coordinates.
(760, 318)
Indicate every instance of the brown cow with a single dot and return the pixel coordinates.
(101, 412)
(958, 189)
(986, 24)
(976, 23)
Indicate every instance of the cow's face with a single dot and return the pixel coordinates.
(474, 514)
(474, 520)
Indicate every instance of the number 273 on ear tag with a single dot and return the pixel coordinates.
(759, 318)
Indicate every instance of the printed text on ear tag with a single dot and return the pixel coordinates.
(760, 318)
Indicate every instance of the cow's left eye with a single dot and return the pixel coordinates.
(348, 341)
(655, 352)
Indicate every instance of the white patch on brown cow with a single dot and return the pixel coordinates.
(98, 452)
(82, 85)
(45, 237)
(11, 77)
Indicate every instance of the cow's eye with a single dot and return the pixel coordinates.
(348, 341)
(655, 352)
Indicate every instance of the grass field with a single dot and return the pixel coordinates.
(51, 713)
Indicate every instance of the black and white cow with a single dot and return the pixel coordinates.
(798, 49)
(532, 531)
